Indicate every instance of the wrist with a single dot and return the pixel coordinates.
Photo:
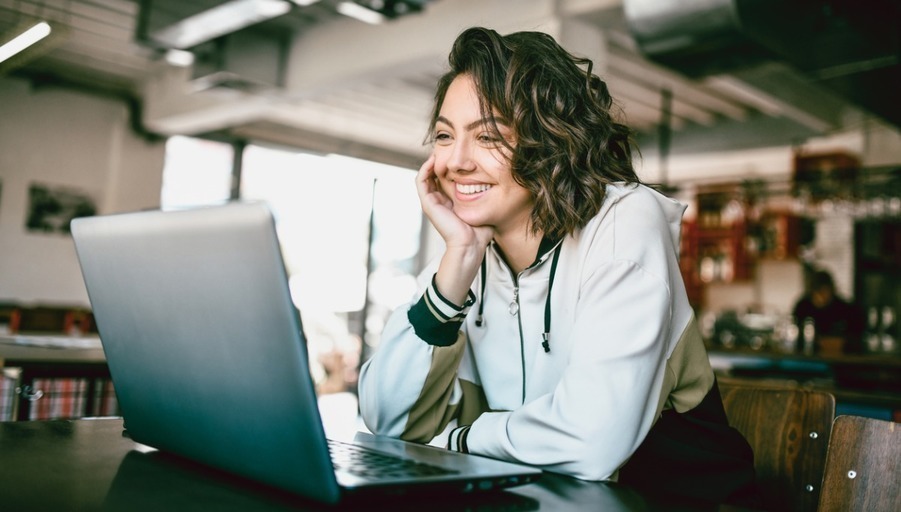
(456, 440)
(457, 271)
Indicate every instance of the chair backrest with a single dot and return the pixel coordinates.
(863, 467)
(788, 430)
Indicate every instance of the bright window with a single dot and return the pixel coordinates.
(324, 206)
(350, 233)
(197, 172)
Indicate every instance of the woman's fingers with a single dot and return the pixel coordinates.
(439, 208)
(425, 176)
(428, 188)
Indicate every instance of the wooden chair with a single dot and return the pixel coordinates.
(788, 430)
(863, 466)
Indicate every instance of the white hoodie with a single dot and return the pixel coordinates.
(624, 346)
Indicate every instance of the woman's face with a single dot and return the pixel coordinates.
(471, 163)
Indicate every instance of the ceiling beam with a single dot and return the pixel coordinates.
(659, 78)
(340, 53)
(220, 20)
(638, 92)
(315, 141)
(769, 103)
(344, 124)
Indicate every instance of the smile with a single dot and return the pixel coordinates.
(471, 189)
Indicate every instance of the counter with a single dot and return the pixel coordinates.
(867, 380)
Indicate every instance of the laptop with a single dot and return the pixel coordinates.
(207, 354)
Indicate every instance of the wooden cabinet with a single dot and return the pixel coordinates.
(777, 234)
(731, 231)
(820, 176)
(714, 242)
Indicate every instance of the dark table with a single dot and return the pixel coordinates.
(88, 464)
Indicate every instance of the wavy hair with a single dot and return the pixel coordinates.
(566, 145)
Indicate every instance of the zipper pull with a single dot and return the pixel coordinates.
(514, 306)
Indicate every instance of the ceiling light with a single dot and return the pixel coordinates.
(24, 40)
(218, 21)
(361, 13)
(179, 58)
(378, 11)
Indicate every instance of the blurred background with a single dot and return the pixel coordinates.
(777, 122)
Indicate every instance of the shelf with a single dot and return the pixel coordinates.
(717, 233)
(732, 231)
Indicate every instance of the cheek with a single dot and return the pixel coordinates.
(520, 194)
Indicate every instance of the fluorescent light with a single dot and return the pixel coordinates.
(220, 20)
(24, 40)
(361, 13)
(304, 3)
(179, 58)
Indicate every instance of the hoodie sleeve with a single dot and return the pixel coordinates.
(409, 387)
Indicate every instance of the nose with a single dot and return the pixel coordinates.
(461, 157)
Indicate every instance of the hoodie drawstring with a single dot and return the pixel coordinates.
(484, 272)
(546, 335)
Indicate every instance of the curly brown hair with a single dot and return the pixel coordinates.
(567, 147)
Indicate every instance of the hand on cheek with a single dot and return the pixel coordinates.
(439, 208)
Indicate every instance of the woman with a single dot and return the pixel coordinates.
(554, 330)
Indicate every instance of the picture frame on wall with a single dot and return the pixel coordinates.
(51, 208)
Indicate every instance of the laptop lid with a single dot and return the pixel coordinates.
(206, 348)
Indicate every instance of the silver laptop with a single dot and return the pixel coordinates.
(209, 361)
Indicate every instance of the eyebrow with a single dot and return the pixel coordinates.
(475, 124)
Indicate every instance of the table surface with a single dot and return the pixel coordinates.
(89, 465)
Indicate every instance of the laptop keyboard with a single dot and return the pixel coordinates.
(366, 463)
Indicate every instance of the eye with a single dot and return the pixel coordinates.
(489, 139)
(441, 138)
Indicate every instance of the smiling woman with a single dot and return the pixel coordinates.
(471, 164)
(583, 355)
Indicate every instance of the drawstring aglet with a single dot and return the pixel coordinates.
(479, 321)
(547, 341)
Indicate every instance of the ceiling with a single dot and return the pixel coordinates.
(317, 79)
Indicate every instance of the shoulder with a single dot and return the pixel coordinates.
(641, 202)
(633, 219)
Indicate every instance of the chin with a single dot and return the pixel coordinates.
(473, 220)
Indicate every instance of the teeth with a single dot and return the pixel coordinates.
(472, 189)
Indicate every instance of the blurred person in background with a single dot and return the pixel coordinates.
(837, 323)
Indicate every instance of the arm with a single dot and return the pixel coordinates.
(409, 389)
(464, 244)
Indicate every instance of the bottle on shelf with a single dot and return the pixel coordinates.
(873, 335)
(887, 342)
(808, 336)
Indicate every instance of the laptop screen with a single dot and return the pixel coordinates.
(203, 342)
